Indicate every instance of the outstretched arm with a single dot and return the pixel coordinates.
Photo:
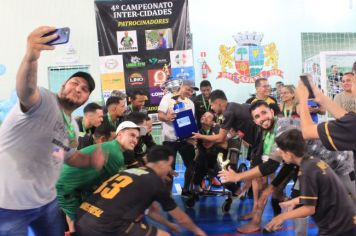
(156, 215)
(300, 212)
(184, 220)
(96, 159)
(216, 138)
(26, 78)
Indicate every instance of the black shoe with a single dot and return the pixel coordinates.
(227, 205)
(186, 193)
(190, 202)
(265, 231)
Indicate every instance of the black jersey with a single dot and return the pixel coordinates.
(123, 198)
(322, 188)
(238, 117)
(339, 134)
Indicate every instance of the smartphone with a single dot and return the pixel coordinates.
(63, 36)
(305, 80)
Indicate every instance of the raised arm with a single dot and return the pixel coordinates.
(327, 104)
(26, 78)
(308, 128)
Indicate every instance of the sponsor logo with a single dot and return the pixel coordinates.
(135, 62)
(111, 63)
(159, 77)
(181, 59)
(136, 79)
(157, 94)
(155, 60)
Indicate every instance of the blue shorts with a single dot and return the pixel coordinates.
(44, 221)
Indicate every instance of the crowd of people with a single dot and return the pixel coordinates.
(89, 172)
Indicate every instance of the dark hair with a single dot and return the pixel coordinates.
(87, 77)
(258, 81)
(159, 153)
(136, 92)
(257, 104)
(91, 107)
(217, 94)
(205, 83)
(280, 83)
(354, 68)
(113, 100)
(136, 117)
(349, 73)
(104, 130)
(292, 141)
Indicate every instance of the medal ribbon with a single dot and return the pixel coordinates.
(69, 127)
(207, 107)
(84, 129)
(268, 139)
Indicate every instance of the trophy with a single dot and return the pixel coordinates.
(171, 85)
(184, 123)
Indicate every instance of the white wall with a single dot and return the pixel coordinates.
(212, 23)
(281, 21)
(18, 18)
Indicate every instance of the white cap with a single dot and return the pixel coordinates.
(131, 125)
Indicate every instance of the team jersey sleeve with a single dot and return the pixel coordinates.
(308, 187)
(164, 197)
(339, 134)
(228, 120)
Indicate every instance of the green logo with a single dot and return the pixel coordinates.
(153, 60)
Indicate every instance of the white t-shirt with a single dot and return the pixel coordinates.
(166, 105)
(33, 146)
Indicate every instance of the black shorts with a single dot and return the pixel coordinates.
(138, 229)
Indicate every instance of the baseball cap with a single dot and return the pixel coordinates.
(87, 77)
(131, 125)
(190, 83)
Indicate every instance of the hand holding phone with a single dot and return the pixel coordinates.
(63, 36)
(306, 82)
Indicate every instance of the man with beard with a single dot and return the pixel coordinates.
(233, 116)
(237, 117)
(116, 108)
(75, 184)
(30, 165)
(272, 127)
(117, 207)
(93, 117)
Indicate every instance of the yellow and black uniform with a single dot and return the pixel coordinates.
(271, 101)
(335, 213)
(339, 134)
(117, 206)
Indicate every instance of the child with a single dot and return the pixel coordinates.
(322, 194)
